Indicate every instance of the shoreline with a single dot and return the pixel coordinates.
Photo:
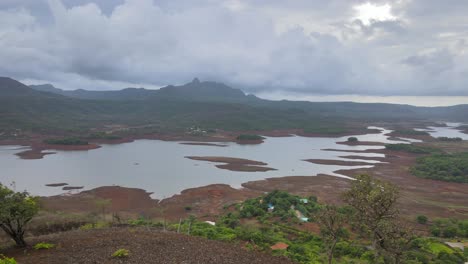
(36, 145)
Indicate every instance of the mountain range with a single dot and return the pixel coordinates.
(211, 105)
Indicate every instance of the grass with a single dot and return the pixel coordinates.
(121, 253)
(42, 245)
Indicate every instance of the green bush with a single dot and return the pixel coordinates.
(6, 260)
(353, 139)
(421, 219)
(121, 253)
(43, 246)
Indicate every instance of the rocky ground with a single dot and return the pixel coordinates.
(144, 245)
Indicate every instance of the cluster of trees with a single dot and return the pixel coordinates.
(411, 148)
(411, 132)
(450, 139)
(444, 167)
(249, 137)
(278, 204)
(66, 141)
(449, 228)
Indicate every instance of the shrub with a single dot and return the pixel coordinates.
(43, 246)
(5, 260)
(16, 211)
(421, 219)
(121, 253)
(66, 141)
(353, 139)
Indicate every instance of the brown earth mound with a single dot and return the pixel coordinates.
(235, 164)
(145, 246)
(338, 162)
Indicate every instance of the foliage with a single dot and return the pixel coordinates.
(411, 132)
(332, 229)
(450, 139)
(66, 141)
(278, 204)
(6, 260)
(411, 148)
(353, 139)
(103, 135)
(44, 246)
(249, 137)
(444, 167)
(421, 219)
(97, 225)
(450, 228)
(375, 208)
(121, 253)
(16, 210)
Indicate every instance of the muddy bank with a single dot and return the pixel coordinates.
(207, 201)
(363, 158)
(56, 184)
(37, 150)
(246, 168)
(361, 143)
(327, 189)
(338, 162)
(235, 164)
(203, 144)
(119, 199)
(227, 160)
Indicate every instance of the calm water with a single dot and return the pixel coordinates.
(160, 167)
(448, 131)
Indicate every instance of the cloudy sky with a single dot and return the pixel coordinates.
(307, 47)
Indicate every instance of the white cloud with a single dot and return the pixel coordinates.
(302, 46)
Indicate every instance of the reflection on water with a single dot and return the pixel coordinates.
(160, 166)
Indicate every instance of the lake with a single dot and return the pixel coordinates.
(161, 167)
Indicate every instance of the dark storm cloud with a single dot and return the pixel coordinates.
(298, 46)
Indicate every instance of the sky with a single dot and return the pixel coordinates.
(297, 48)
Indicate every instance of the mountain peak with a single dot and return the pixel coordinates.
(195, 81)
(9, 86)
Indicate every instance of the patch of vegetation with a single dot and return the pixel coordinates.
(249, 137)
(411, 148)
(353, 139)
(103, 135)
(69, 141)
(444, 167)
(44, 246)
(344, 236)
(450, 139)
(421, 219)
(449, 228)
(16, 211)
(6, 260)
(121, 253)
(97, 225)
(411, 132)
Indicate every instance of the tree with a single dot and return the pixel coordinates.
(421, 219)
(374, 202)
(331, 228)
(16, 210)
(396, 240)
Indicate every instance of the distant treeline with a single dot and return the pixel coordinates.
(445, 167)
